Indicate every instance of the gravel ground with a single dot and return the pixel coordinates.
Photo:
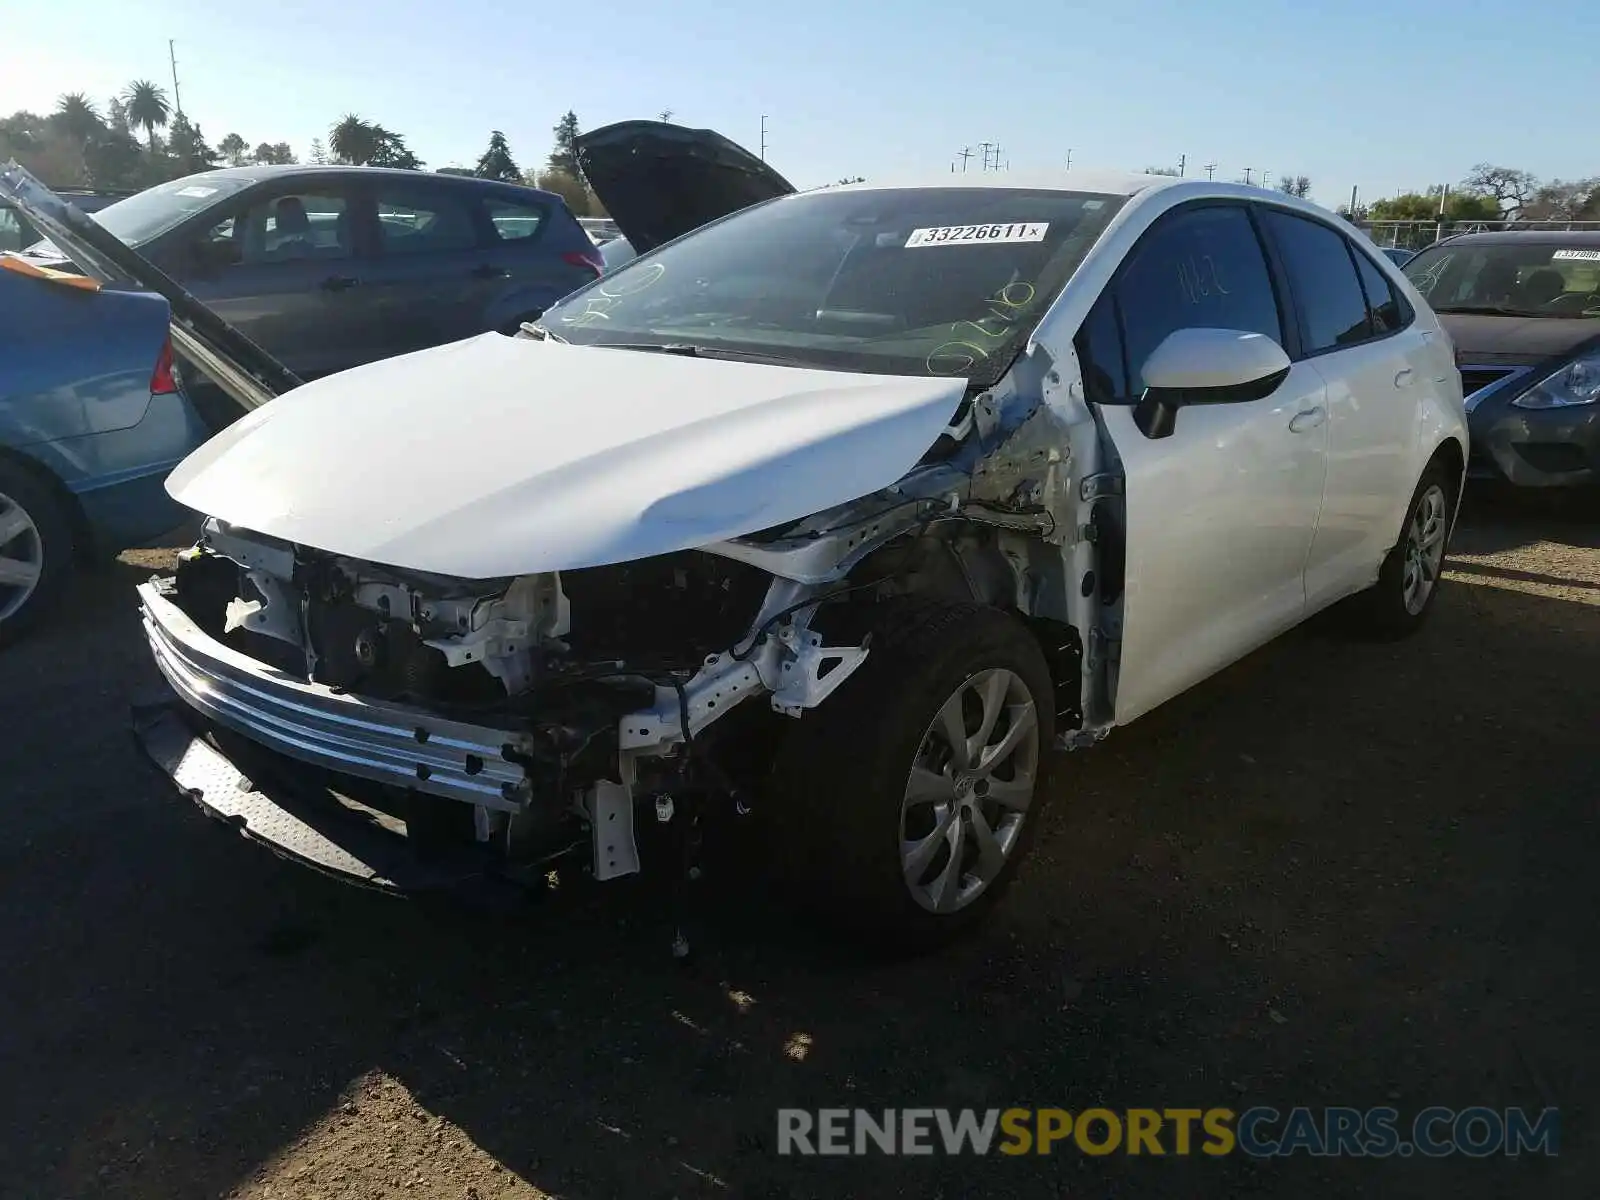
(1335, 874)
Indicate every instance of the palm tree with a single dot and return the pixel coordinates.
(147, 106)
(76, 115)
(354, 140)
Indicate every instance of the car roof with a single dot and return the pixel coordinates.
(1528, 237)
(1111, 183)
(260, 172)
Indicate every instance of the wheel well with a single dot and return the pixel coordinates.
(1450, 455)
(82, 534)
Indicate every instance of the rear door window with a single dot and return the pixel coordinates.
(1323, 280)
(424, 221)
(1386, 308)
(514, 222)
(1200, 268)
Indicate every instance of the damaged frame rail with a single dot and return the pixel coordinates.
(417, 750)
(242, 369)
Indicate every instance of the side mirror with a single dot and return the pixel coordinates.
(1206, 366)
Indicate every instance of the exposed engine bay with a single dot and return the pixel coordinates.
(607, 685)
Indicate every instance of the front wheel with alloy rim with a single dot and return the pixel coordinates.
(35, 549)
(905, 802)
(1412, 574)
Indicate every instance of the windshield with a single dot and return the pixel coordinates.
(913, 281)
(152, 212)
(1534, 279)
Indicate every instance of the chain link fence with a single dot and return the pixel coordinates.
(1414, 235)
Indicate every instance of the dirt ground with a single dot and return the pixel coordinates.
(1336, 875)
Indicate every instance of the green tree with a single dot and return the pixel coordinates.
(568, 187)
(354, 140)
(496, 162)
(853, 179)
(1417, 206)
(187, 146)
(273, 154)
(467, 171)
(233, 149)
(1565, 200)
(564, 158)
(392, 151)
(147, 107)
(1171, 171)
(77, 118)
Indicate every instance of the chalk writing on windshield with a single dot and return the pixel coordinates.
(598, 304)
(966, 350)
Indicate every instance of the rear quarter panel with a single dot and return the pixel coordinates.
(74, 362)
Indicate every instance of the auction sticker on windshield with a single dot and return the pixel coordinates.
(1584, 255)
(966, 235)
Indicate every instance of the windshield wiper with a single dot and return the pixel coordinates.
(1490, 310)
(691, 350)
(540, 334)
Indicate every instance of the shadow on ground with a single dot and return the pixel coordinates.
(1336, 874)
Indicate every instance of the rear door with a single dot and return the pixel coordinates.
(283, 266)
(430, 278)
(1354, 329)
(1220, 515)
(537, 251)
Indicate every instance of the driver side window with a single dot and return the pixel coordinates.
(1199, 268)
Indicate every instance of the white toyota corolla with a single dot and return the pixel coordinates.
(842, 512)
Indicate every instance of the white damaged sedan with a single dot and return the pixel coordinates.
(844, 510)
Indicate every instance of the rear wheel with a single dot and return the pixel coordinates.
(1409, 581)
(35, 550)
(907, 800)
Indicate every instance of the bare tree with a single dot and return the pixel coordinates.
(1510, 188)
(1295, 185)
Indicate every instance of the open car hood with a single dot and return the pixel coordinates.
(499, 456)
(661, 181)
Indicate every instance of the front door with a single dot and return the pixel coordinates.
(1220, 515)
(284, 271)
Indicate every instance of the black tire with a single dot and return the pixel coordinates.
(47, 542)
(841, 777)
(1383, 612)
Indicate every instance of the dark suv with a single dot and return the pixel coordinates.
(1523, 309)
(331, 267)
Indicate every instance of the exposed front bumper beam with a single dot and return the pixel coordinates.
(387, 743)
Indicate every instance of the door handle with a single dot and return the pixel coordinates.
(338, 283)
(1403, 378)
(1310, 419)
(488, 271)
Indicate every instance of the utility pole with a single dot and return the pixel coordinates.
(997, 156)
(966, 153)
(1354, 192)
(1247, 176)
(172, 57)
(986, 147)
(1069, 158)
(1211, 170)
(1183, 164)
(1266, 179)
(763, 137)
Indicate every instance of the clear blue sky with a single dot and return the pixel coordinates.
(1387, 94)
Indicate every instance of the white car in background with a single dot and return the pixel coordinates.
(845, 510)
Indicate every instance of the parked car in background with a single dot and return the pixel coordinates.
(331, 267)
(92, 417)
(954, 473)
(1523, 309)
(17, 232)
(1398, 255)
(600, 229)
(687, 177)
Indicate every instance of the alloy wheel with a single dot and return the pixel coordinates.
(21, 556)
(1424, 548)
(969, 790)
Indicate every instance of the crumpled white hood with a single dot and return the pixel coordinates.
(499, 456)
